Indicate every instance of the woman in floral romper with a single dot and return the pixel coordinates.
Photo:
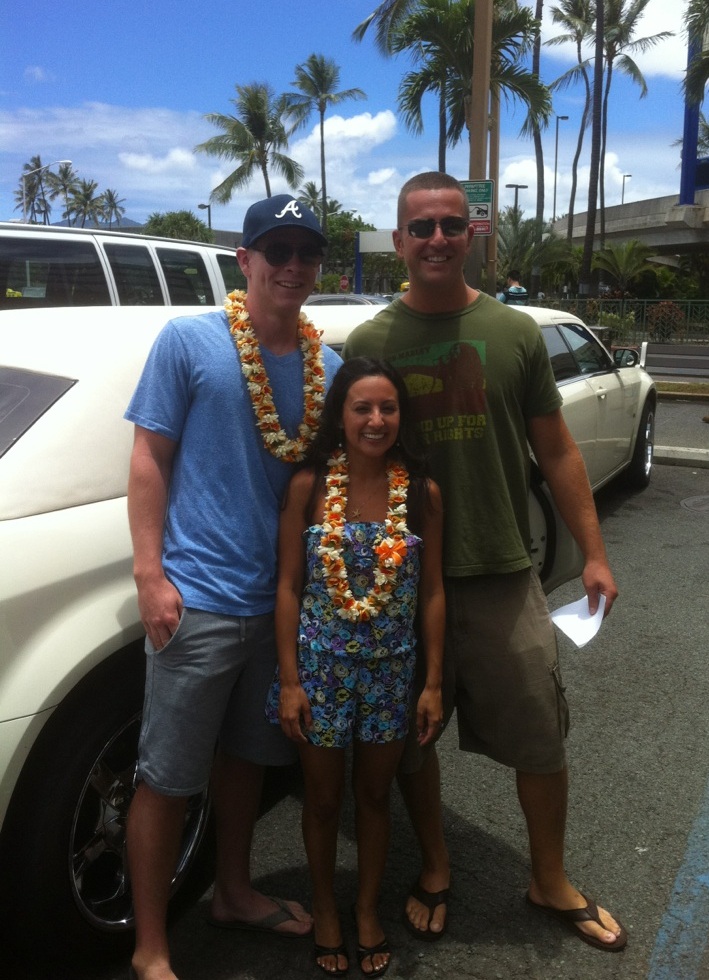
(359, 558)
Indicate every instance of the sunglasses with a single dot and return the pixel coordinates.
(451, 227)
(278, 253)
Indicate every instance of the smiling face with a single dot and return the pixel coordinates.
(371, 416)
(280, 289)
(435, 264)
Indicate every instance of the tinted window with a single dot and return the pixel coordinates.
(562, 360)
(233, 277)
(24, 397)
(135, 275)
(186, 276)
(36, 272)
(588, 353)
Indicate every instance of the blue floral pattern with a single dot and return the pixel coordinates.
(357, 676)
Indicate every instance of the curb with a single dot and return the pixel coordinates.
(682, 396)
(671, 456)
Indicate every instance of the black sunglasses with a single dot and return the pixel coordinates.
(451, 227)
(278, 253)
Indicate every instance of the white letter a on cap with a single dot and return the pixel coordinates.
(291, 206)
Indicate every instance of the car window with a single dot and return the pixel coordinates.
(186, 275)
(38, 273)
(24, 397)
(588, 353)
(231, 273)
(135, 275)
(562, 360)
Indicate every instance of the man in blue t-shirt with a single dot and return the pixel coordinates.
(226, 404)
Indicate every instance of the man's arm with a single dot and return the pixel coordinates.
(564, 470)
(148, 486)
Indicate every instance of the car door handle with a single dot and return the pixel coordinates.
(601, 393)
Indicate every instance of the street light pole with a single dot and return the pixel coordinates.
(208, 208)
(622, 195)
(37, 170)
(556, 161)
(517, 189)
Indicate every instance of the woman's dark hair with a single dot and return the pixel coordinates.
(407, 449)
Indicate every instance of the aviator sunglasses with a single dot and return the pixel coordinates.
(278, 253)
(451, 227)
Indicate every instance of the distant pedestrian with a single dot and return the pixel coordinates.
(513, 294)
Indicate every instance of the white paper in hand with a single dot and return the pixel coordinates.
(577, 622)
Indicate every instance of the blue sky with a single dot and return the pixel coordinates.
(121, 89)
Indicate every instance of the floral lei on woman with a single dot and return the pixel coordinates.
(391, 549)
(274, 437)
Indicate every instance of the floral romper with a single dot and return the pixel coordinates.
(358, 676)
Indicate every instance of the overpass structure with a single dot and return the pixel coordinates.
(662, 223)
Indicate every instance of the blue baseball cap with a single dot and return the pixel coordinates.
(281, 211)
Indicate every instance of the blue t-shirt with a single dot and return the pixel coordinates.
(220, 537)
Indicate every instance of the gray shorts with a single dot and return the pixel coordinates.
(501, 671)
(208, 685)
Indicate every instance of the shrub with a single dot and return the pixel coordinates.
(663, 320)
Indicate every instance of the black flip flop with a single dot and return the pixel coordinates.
(569, 917)
(431, 900)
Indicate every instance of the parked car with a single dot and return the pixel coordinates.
(49, 265)
(345, 299)
(71, 669)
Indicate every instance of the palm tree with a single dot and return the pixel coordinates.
(85, 203)
(112, 207)
(439, 34)
(624, 262)
(255, 137)
(697, 21)
(575, 17)
(317, 80)
(584, 283)
(30, 196)
(311, 196)
(525, 244)
(63, 183)
(621, 22)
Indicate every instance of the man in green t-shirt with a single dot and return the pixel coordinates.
(481, 388)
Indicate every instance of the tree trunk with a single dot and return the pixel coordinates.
(585, 274)
(536, 277)
(323, 219)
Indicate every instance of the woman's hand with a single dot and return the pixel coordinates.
(429, 715)
(294, 712)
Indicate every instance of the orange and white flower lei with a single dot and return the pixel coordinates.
(274, 437)
(391, 549)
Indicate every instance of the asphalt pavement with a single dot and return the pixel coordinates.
(682, 431)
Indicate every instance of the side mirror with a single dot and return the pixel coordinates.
(626, 357)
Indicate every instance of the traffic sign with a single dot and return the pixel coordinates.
(344, 282)
(481, 196)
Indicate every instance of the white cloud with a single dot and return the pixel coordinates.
(37, 74)
(174, 160)
(377, 177)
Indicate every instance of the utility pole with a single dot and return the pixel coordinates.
(478, 116)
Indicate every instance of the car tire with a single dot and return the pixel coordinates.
(63, 865)
(639, 471)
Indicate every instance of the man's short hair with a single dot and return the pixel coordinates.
(433, 180)
(513, 274)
